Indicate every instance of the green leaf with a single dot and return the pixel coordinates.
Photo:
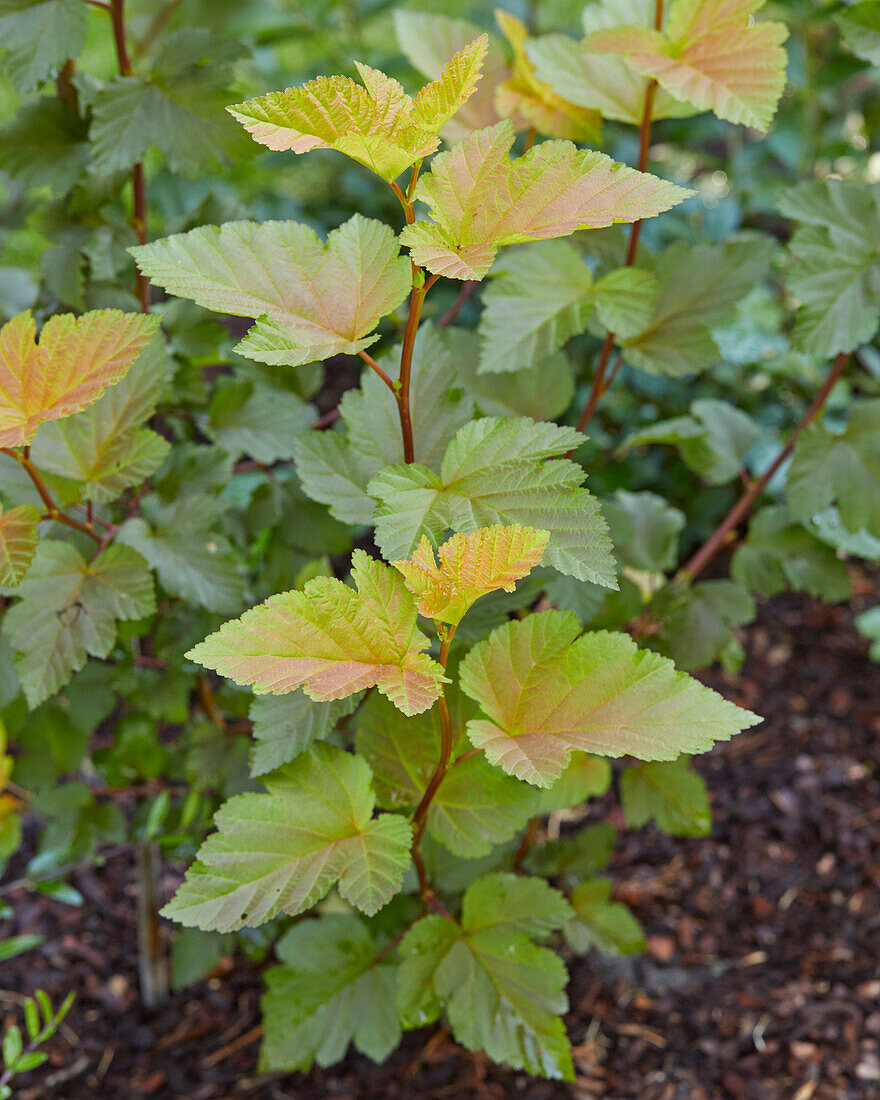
(839, 468)
(18, 541)
(574, 857)
(179, 108)
(713, 441)
(481, 200)
(502, 993)
(280, 852)
(625, 300)
(693, 297)
(332, 641)
(599, 922)
(546, 691)
(644, 530)
(540, 298)
(312, 299)
(40, 35)
(46, 145)
(286, 725)
(778, 554)
(585, 776)
(836, 271)
(104, 448)
(256, 420)
(332, 989)
(335, 473)
(541, 392)
(191, 561)
(697, 620)
(860, 30)
(493, 473)
(868, 624)
(11, 946)
(12, 1047)
(475, 806)
(68, 610)
(669, 793)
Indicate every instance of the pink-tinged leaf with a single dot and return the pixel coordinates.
(76, 359)
(481, 200)
(313, 299)
(547, 692)
(471, 565)
(18, 541)
(332, 641)
(534, 100)
(375, 122)
(710, 54)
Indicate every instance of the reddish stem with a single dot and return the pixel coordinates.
(698, 562)
(53, 512)
(467, 289)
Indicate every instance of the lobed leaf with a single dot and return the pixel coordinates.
(493, 472)
(375, 122)
(669, 793)
(69, 609)
(710, 53)
(481, 200)
(502, 993)
(471, 566)
(281, 851)
(546, 691)
(312, 300)
(334, 987)
(332, 641)
(76, 359)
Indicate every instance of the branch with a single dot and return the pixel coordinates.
(53, 512)
(467, 289)
(417, 300)
(386, 378)
(698, 562)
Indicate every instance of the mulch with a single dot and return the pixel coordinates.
(762, 978)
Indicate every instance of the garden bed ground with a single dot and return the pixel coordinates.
(762, 978)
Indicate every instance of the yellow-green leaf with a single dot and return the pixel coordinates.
(375, 122)
(18, 541)
(471, 565)
(481, 200)
(76, 359)
(534, 99)
(332, 641)
(546, 692)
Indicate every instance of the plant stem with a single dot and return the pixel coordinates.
(531, 835)
(53, 512)
(138, 183)
(447, 743)
(152, 964)
(409, 339)
(371, 362)
(467, 289)
(599, 386)
(698, 562)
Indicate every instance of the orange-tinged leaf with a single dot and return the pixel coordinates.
(76, 359)
(374, 122)
(471, 565)
(710, 54)
(332, 641)
(547, 692)
(481, 200)
(535, 100)
(18, 541)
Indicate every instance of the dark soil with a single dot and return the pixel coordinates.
(761, 982)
